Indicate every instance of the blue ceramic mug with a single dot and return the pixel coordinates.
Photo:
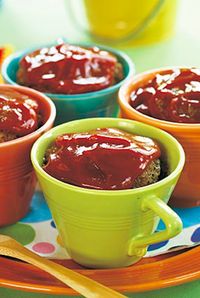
(102, 103)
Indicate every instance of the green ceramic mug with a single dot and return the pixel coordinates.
(111, 228)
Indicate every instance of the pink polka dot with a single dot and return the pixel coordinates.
(43, 247)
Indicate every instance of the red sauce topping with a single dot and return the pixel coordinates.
(18, 113)
(173, 96)
(69, 69)
(102, 159)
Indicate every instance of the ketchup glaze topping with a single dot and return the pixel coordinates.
(18, 113)
(173, 96)
(106, 158)
(69, 69)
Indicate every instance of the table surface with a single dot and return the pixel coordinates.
(28, 23)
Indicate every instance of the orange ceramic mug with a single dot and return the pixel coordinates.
(187, 191)
(17, 179)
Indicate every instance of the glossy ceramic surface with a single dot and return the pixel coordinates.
(187, 191)
(128, 24)
(105, 229)
(83, 285)
(148, 274)
(102, 103)
(17, 178)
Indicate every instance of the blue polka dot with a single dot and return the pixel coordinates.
(157, 245)
(196, 235)
(53, 224)
(39, 210)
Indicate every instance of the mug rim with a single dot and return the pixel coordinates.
(128, 86)
(62, 184)
(32, 92)
(110, 89)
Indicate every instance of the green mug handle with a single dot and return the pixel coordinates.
(172, 222)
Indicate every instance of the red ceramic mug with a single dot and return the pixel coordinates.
(17, 178)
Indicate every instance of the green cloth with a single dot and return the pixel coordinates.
(28, 23)
(189, 290)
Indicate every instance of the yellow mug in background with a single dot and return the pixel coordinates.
(127, 22)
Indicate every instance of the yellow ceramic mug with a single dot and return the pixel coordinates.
(127, 21)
